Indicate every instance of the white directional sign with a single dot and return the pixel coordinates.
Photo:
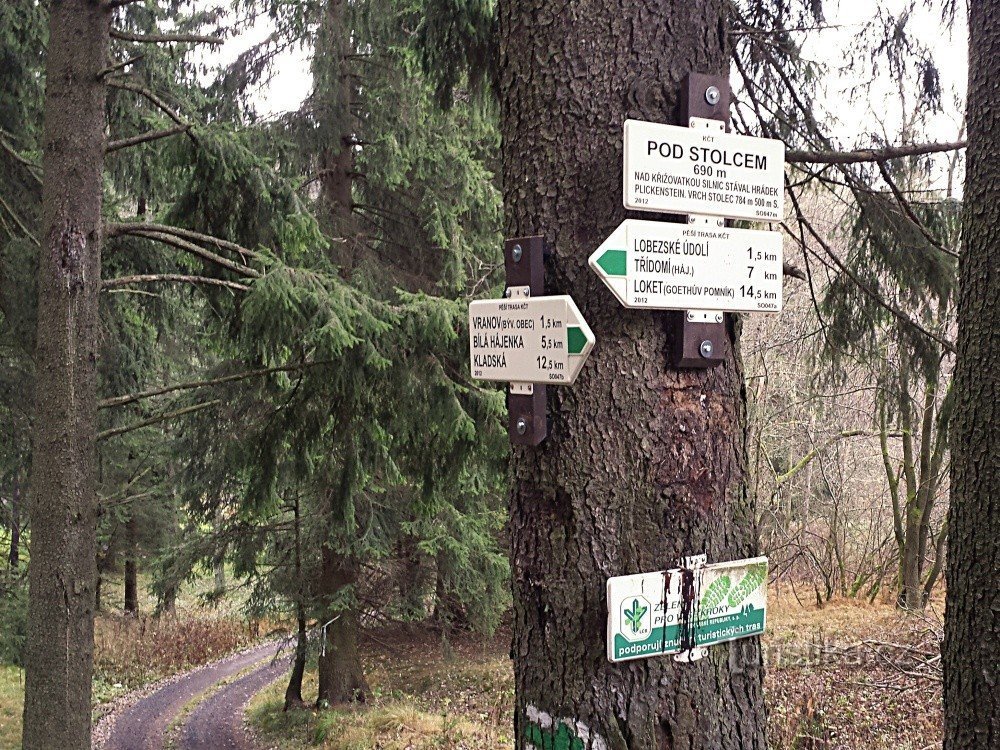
(702, 171)
(645, 611)
(664, 266)
(528, 340)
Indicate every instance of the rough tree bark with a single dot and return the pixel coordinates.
(63, 500)
(644, 464)
(971, 651)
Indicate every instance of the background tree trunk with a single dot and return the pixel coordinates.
(293, 693)
(971, 652)
(63, 502)
(14, 554)
(131, 566)
(341, 676)
(644, 464)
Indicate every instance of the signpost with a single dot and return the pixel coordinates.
(664, 266)
(702, 170)
(652, 614)
(528, 340)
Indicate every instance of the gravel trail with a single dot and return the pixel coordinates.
(217, 722)
(143, 725)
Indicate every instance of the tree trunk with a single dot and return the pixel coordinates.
(644, 464)
(131, 566)
(14, 555)
(341, 676)
(971, 651)
(293, 693)
(219, 562)
(334, 95)
(63, 500)
(412, 583)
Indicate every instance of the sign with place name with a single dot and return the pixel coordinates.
(528, 340)
(665, 266)
(701, 171)
(647, 614)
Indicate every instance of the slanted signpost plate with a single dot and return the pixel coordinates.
(702, 171)
(528, 340)
(647, 615)
(662, 266)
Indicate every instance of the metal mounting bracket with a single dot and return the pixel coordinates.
(527, 421)
(699, 337)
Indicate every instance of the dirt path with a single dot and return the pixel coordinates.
(143, 725)
(217, 722)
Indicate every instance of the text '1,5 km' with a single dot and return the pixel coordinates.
(702, 171)
(664, 266)
(528, 340)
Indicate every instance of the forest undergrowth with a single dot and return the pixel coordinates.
(843, 676)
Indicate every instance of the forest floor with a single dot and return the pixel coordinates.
(133, 652)
(845, 676)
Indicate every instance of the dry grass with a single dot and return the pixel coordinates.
(11, 702)
(830, 685)
(132, 651)
(819, 695)
(421, 699)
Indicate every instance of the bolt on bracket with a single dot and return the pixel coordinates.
(527, 421)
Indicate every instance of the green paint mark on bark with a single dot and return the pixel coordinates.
(562, 738)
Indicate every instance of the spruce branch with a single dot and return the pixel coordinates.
(153, 278)
(870, 155)
(135, 88)
(181, 244)
(901, 316)
(187, 234)
(908, 210)
(119, 66)
(246, 375)
(17, 220)
(128, 36)
(144, 138)
(787, 269)
(33, 168)
(157, 419)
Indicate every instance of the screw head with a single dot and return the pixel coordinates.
(706, 348)
(522, 425)
(712, 95)
(516, 253)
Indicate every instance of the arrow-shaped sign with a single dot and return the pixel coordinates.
(665, 266)
(528, 340)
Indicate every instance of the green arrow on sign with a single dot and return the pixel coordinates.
(613, 262)
(576, 339)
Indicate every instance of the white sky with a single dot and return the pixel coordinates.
(851, 123)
